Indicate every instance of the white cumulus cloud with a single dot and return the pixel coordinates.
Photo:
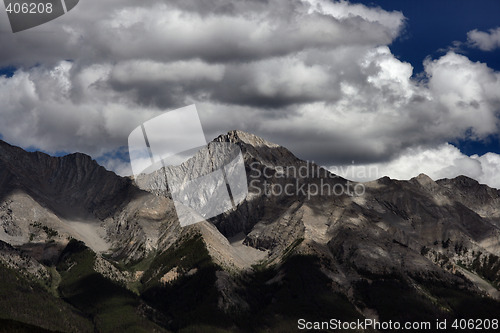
(486, 41)
(315, 76)
(443, 161)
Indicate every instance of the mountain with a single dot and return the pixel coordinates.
(86, 250)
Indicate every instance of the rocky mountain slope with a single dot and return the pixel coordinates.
(303, 244)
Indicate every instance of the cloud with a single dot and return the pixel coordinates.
(486, 41)
(56, 109)
(135, 72)
(315, 76)
(240, 31)
(468, 92)
(371, 109)
(443, 161)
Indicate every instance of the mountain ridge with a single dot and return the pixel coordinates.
(421, 237)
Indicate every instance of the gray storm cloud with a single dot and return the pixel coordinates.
(315, 76)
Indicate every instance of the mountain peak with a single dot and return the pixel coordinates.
(236, 136)
(423, 179)
(466, 181)
(403, 236)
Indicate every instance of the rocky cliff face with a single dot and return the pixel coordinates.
(74, 185)
(299, 228)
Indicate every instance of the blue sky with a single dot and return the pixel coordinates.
(7, 71)
(432, 27)
(435, 25)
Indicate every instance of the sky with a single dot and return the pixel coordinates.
(400, 87)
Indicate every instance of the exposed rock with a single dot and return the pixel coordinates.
(23, 263)
(416, 229)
